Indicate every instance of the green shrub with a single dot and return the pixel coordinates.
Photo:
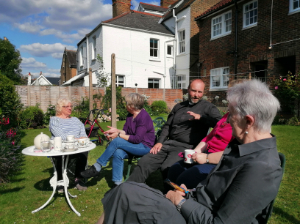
(293, 121)
(32, 116)
(82, 109)
(159, 107)
(10, 105)
(49, 113)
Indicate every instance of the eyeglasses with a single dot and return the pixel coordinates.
(67, 106)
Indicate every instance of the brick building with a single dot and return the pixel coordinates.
(263, 42)
(68, 66)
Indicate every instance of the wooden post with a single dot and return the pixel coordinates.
(91, 92)
(113, 92)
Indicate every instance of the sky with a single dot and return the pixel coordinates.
(42, 29)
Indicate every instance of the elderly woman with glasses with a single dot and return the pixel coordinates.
(136, 138)
(238, 190)
(62, 125)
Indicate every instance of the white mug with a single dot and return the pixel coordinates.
(57, 143)
(188, 155)
(70, 138)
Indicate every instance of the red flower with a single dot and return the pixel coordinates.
(276, 87)
(5, 121)
(284, 79)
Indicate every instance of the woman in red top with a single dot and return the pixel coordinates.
(208, 153)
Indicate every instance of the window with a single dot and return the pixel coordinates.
(294, 5)
(170, 50)
(81, 56)
(219, 78)
(94, 55)
(120, 80)
(250, 14)
(153, 83)
(181, 35)
(154, 48)
(221, 25)
(181, 81)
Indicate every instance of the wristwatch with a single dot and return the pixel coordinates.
(178, 207)
(119, 134)
(207, 160)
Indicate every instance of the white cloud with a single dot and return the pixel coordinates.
(154, 3)
(32, 63)
(29, 27)
(64, 16)
(57, 55)
(44, 50)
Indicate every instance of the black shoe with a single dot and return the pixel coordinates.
(91, 172)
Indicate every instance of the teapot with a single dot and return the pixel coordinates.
(37, 140)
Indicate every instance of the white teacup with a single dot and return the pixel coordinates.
(83, 142)
(188, 155)
(70, 138)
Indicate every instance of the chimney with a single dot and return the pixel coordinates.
(29, 79)
(40, 73)
(120, 7)
(166, 3)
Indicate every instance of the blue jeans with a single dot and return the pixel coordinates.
(119, 149)
(189, 174)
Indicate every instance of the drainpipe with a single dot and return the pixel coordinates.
(87, 54)
(175, 52)
(236, 39)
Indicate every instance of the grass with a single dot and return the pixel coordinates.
(30, 188)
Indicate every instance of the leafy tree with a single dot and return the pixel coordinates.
(10, 60)
(10, 105)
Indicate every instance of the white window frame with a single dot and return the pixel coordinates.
(181, 41)
(94, 54)
(153, 48)
(219, 75)
(172, 50)
(118, 80)
(223, 25)
(157, 80)
(245, 14)
(292, 9)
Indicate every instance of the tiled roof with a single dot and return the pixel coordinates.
(139, 20)
(153, 7)
(182, 6)
(222, 4)
(54, 81)
(71, 55)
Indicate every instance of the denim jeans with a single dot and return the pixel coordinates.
(119, 149)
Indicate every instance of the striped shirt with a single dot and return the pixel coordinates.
(63, 127)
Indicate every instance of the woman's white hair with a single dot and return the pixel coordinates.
(254, 98)
(63, 101)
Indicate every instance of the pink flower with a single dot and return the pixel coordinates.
(284, 79)
(13, 142)
(276, 87)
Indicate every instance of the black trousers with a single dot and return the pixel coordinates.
(132, 202)
(164, 159)
(80, 164)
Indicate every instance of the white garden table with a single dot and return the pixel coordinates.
(53, 181)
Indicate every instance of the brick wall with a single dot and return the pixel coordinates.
(253, 44)
(48, 95)
(166, 3)
(120, 7)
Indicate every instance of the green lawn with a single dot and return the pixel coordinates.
(30, 188)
